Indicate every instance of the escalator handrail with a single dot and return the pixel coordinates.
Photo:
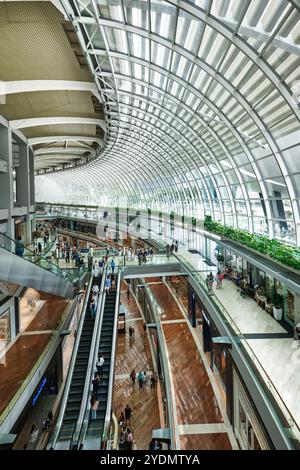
(112, 362)
(83, 418)
(62, 272)
(71, 367)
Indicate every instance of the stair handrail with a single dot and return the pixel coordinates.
(83, 418)
(71, 368)
(112, 363)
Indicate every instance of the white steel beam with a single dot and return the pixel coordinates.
(62, 151)
(50, 121)
(64, 138)
(26, 86)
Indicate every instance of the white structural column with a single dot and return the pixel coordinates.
(6, 178)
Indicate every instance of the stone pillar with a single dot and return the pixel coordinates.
(31, 178)
(6, 177)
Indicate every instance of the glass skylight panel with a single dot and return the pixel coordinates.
(137, 71)
(160, 54)
(139, 46)
(116, 40)
(122, 66)
(163, 17)
(111, 10)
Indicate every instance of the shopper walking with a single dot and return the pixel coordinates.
(128, 413)
(131, 332)
(129, 440)
(153, 380)
(133, 376)
(140, 379)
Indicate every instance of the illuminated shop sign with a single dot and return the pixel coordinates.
(39, 391)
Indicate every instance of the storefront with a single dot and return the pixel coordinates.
(248, 428)
(40, 402)
(5, 329)
(270, 294)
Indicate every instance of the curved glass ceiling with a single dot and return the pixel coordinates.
(203, 110)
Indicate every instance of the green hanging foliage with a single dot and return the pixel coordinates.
(277, 250)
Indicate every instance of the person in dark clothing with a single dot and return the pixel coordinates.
(39, 248)
(95, 383)
(128, 413)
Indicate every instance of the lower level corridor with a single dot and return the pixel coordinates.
(134, 353)
(201, 421)
(39, 314)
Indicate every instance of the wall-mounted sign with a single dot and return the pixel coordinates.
(43, 383)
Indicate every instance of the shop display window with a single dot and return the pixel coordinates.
(5, 333)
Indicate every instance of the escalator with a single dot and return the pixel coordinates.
(92, 430)
(22, 266)
(77, 382)
(96, 426)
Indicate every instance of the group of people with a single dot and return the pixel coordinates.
(227, 272)
(104, 262)
(126, 439)
(144, 379)
(144, 255)
(171, 248)
(34, 431)
(210, 278)
(94, 401)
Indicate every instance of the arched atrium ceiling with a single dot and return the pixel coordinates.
(202, 109)
(47, 90)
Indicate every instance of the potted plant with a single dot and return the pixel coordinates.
(277, 308)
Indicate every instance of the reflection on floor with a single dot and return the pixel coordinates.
(169, 309)
(45, 315)
(22, 354)
(214, 441)
(196, 403)
(274, 354)
(135, 354)
(38, 414)
(17, 364)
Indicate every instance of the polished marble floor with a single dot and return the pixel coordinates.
(272, 355)
(195, 399)
(213, 441)
(23, 353)
(18, 363)
(169, 308)
(135, 354)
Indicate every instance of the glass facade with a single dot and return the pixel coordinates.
(202, 111)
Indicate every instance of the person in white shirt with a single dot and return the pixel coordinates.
(33, 433)
(96, 289)
(100, 364)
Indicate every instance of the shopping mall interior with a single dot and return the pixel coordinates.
(150, 225)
